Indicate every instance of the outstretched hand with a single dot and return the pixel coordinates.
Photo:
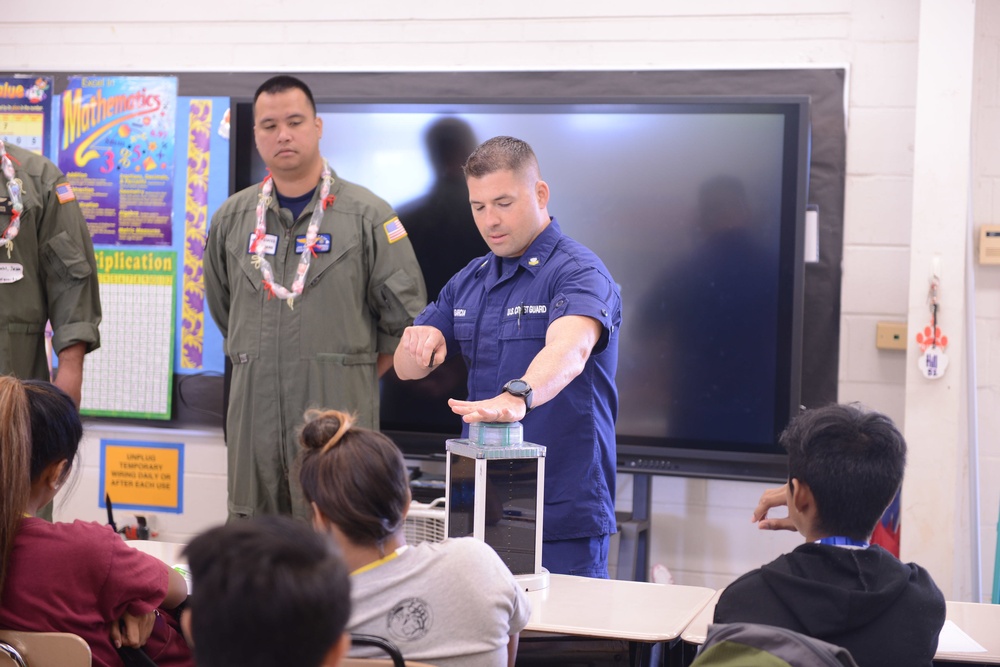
(769, 500)
(502, 408)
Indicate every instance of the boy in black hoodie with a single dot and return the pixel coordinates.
(844, 467)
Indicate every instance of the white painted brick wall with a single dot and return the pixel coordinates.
(875, 280)
(878, 209)
(204, 481)
(702, 530)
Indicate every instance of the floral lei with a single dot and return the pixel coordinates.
(14, 187)
(258, 247)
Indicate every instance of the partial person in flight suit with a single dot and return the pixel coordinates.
(311, 280)
(537, 321)
(47, 273)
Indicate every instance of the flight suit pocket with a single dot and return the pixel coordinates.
(21, 345)
(334, 317)
(322, 262)
(245, 309)
(399, 302)
(65, 258)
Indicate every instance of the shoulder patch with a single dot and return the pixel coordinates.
(394, 230)
(65, 193)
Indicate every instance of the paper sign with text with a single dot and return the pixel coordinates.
(142, 475)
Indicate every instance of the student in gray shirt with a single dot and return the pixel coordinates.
(449, 603)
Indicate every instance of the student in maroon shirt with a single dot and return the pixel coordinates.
(72, 577)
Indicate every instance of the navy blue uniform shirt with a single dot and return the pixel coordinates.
(496, 311)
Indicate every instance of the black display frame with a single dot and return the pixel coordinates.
(825, 88)
(635, 453)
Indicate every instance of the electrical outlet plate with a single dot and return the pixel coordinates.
(989, 244)
(890, 335)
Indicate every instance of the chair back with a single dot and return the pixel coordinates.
(43, 649)
(395, 656)
(378, 662)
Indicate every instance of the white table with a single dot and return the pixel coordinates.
(641, 613)
(980, 621)
(168, 552)
(696, 632)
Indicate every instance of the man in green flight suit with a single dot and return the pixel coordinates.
(47, 273)
(311, 280)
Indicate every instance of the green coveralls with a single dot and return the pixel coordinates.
(59, 280)
(358, 298)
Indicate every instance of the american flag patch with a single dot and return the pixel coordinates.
(394, 230)
(65, 193)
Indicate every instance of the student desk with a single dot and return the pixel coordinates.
(982, 623)
(979, 621)
(168, 552)
(641, 613)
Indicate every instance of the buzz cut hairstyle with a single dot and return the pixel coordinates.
(266, 591)
(281, 83)
(500, 154)
(853, 461)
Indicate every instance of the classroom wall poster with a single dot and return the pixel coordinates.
(137, 475)
(116, 147)
(199, 155)
(25, 109)
(131, 374)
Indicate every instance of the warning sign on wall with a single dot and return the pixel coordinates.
(142, 475)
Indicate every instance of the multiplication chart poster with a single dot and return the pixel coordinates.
(131, 374)
(25, 106)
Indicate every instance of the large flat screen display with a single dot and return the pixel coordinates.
(695, 205)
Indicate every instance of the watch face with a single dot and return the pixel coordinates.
(518, 387)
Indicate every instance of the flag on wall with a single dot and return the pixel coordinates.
(887, 530)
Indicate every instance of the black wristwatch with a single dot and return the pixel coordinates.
(521, 389)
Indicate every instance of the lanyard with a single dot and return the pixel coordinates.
(381, 561)
(840, 541)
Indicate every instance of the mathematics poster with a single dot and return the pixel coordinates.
(116, 147)
(25, 108)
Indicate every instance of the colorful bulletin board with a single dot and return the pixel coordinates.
(201, 185)
(131, 374)
(25, 109)
(118, 139)
(146, 476)
(116, 147)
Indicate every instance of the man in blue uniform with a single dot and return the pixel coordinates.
(537, 321)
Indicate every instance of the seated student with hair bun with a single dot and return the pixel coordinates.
(72, 577)
(448, 603)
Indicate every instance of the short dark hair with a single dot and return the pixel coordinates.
(853, 461)
(356, 477)
(281, 83)
(266, 591)
(500, 154)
